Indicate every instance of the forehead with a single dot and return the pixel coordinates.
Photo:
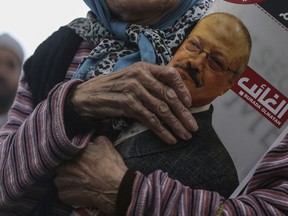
(220, 29)
(222, 34)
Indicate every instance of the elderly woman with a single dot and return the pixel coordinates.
(157, 194)
(51, 120)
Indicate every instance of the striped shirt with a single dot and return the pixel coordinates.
(33, 142)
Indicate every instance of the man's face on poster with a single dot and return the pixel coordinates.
(212, 57)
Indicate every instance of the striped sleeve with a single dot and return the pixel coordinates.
(267, 193)
(32, 143)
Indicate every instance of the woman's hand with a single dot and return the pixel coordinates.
(152, 94)
(93, 177)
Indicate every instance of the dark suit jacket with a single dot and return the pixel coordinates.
(201, 162)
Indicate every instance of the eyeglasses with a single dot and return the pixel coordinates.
(213, 62)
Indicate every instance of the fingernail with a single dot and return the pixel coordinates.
(170, 139)
(185, 135)
(193, 125)
(188, 136)
(187, 102)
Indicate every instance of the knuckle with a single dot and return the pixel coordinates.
(163, 109)
(141, 64)
(159, 129)
(151, 118)
(176, 79)
(131, 104)
(137, 68)
(170, 73)
(181, 86)
(131, 86)
(129, 99)
(137, 64)
(154, 121)
(170, 95)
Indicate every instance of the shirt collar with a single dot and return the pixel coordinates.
(200, 109)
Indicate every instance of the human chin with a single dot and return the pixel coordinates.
(198, 101)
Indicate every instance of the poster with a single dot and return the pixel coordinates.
(252, 116)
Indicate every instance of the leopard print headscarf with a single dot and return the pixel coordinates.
(111, 53)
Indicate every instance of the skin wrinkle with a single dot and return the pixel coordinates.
(163, 5)
(176, 77)
(170, 94)
(130, 93)
(163, 108)
(144, 12)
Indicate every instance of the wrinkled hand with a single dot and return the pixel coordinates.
(150, 93)
(92, 178)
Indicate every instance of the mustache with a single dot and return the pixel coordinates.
(191, 71)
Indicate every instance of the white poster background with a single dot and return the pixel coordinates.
(246, 133)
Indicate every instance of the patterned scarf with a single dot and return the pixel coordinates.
(112, 52)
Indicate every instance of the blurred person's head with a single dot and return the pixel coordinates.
(213, 56)
(11, 59)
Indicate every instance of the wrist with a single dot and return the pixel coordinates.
(74, 123)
